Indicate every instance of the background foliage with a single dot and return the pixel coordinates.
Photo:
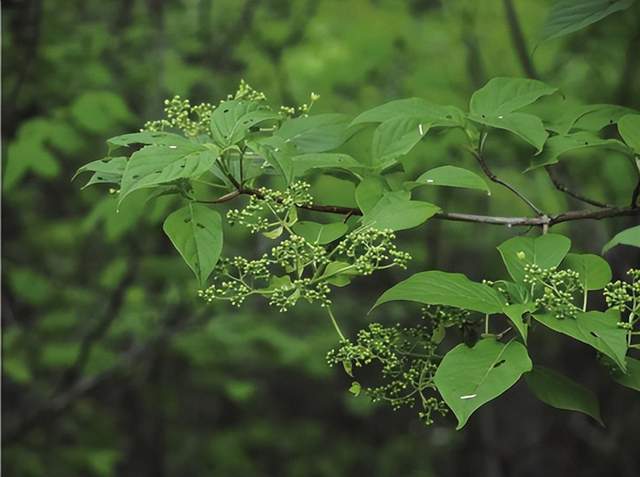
(110, 364)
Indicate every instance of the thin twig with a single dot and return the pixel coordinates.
(494, 178)
(562, 188)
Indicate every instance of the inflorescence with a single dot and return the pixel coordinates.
(558, 287)
(408, 359)
(296, 268)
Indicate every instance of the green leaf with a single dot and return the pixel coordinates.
(196, 232)
(317, 133)
(323, 160)
(527, 126)
(396, 212)
(515, 312)
(277, 153)
(632, 378)
(394, 138)
(568, 16)
(159, 138)
(355, 388)
(496, 102)
(369, 191)
(153, 165)
(320, 233)
(594, 271)
(560, 392)
(546, 251)
(427, 112)
(107, 170)
(506, 95)
(557, 146)
(467, 377)
(597, 116)
(339, 273)
(630, 236)
(451, 176)
(443, 288)
(228, 120)
(598, 330)
(629, 128)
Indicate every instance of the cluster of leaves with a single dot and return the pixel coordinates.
(245, 142)
(548, 287)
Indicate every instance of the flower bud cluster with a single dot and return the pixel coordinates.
(447, 316)
(408, 360)
(274, 204)
(286, 297)
(559, 289)
(245, 91)
(621, 295)
(192, 120)
(371, 249)
(295, 252)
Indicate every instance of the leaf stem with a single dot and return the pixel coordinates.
(335, 323)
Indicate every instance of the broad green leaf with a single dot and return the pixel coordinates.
(629, 128)
(153, 165)
(515, 313)
(196, 232)
(594, 271)
(226, 120)
(600, 116)
(320, 233)
(369, 191)
(443, 288)
(589, 117)
(560, 392)
(396, 137)
(527, 126)
(339, 273)
(630, 236)
(317, 133)
(496, 102)
(517, 292)
(557, 146)
(452, 176)
(467, 377)
(546, 251)
(396, 212)
(632, 378)
(568, 16)
(427, 112)
(277, 153)
(597, 329)
(323, 160)
(505, 95)
(107, 170)
(158, 138)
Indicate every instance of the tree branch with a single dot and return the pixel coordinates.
(562, 188)
(518, 39)
(60, 402)
(540, 221)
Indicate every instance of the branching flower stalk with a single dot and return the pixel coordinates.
(625, 297)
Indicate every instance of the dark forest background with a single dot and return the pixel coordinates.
(111, 365)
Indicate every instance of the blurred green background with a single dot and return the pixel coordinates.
(111, 366)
